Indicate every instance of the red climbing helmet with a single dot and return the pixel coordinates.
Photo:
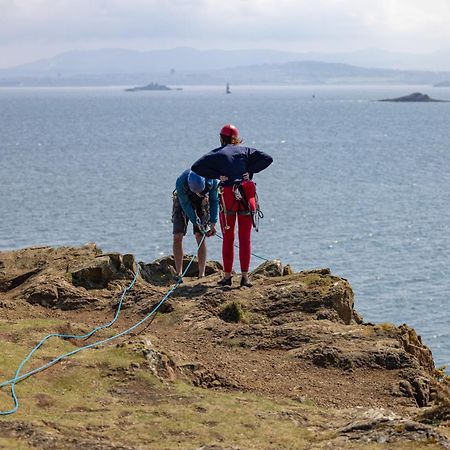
(229, 130)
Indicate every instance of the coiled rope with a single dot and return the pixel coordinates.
(18, 377)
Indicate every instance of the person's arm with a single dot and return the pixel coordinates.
(206, 166)
(214, 203)
(257, 161)
(185, 203)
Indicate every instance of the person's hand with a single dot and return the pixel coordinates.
(201, 227)
(223, 178)
(246, 176)
(212, 230)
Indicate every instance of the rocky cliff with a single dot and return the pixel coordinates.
(288, 363)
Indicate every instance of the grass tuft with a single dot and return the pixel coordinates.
(232, 312)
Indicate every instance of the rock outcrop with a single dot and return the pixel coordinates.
(152, 87)
(292, 335)
(162, 271)
(415, 97)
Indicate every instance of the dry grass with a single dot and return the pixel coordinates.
(107, 395)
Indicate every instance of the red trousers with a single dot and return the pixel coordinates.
(245, 224)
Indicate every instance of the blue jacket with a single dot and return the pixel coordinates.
(183, 193)
(232, 161)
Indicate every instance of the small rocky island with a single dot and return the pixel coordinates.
(152, 87)
(443, 84)
(415, 97)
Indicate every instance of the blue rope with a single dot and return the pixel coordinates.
(12, 382)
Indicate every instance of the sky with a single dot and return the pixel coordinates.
(35, 29)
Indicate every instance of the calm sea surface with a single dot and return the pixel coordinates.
(358, 186)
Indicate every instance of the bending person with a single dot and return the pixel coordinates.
(234, 165)
(195, 200)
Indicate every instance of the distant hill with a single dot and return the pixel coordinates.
(190, 66)
(183, 58)
(317, 72)
(108, 61)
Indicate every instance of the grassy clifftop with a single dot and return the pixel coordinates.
(287, 364)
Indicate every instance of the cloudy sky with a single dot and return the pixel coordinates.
(33, 29)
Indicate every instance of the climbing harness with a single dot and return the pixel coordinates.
(241, 198)
(223, 208)
(20, 377)
(257, 215)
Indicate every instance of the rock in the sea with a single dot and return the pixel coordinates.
(415, 97)
(152, 87)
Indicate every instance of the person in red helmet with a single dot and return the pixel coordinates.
(234, 165)
(230, 130)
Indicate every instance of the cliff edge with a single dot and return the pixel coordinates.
(288, 363)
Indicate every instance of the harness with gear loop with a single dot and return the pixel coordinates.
(243, 205)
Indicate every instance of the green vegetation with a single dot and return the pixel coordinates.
(108, 395)
(232, 312)
(441, 376)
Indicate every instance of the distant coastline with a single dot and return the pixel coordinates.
(110, 67)
(443, 84)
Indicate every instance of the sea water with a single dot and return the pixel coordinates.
(359, 186)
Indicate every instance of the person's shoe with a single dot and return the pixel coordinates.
(225, 281)
(245, 282)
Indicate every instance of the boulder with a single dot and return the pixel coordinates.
(345, 356)
(162, 271)
(314, 292)
(129, 261)
(54, 292)
(100, 272)
(11, 282)
(272, 268)
(383, 430)
(413, 345)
